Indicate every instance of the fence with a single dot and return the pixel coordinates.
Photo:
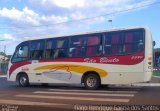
(3, 67)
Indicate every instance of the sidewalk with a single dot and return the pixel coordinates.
(3, 74)
(155, 81)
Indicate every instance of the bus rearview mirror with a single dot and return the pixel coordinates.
(154, 43)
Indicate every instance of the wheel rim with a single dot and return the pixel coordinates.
(91, 81)
(23, 80)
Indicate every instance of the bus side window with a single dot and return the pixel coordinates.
(133, 42)
(56, 48)
(113, 44)
(128, 38)
(121, 43)
(86, 46)
(93, 46)
(50, 46)
(139, 40)
(37, 49)
(77, 46)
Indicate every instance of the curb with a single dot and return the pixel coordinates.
(156, 77)
(147, 84)
(138, 85)
(3, 75)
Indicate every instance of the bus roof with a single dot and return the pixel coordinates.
(91, 32)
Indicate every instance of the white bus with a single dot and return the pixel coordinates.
(117, 56)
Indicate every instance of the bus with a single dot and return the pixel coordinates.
(106, 57)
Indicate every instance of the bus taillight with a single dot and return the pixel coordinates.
(149, 60)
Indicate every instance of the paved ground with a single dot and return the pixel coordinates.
(155, 79)
(70, 97)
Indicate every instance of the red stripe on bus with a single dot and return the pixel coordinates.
(121, 60)
(17, 65)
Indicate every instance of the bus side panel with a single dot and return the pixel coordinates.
(115, 74)
(124, 74)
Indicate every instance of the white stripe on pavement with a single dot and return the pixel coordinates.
(20, 102)
(75, 98)
(91, 91)
(86, 94)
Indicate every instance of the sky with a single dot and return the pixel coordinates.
(30, 19)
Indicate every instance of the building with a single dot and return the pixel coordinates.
(3, 64)
(3, 58)
(156, 55)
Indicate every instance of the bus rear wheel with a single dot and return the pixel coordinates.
(91, 81)
(23, 80)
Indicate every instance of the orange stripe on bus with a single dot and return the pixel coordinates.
(75, 68)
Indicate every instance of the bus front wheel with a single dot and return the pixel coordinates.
(23, 80)
(91, 81)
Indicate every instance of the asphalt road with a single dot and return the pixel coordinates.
(64, 97)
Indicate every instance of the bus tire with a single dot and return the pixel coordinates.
(23, 80)
(91, 81)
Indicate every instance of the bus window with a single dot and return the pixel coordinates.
(85, 46)
(113, 44)
(77, 48)
(21, 53)
(36, 49)
(134, 42)
(56, 48)
(139, 40)
(121, 43)
(128, 38)
(94, 47)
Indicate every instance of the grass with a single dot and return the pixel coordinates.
(156, 73)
